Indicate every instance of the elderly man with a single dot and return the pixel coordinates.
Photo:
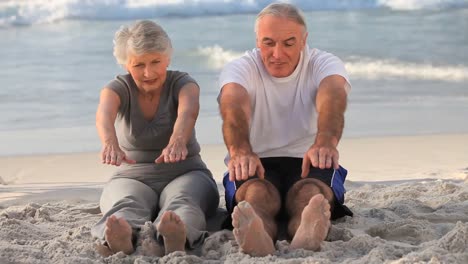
(283, 107)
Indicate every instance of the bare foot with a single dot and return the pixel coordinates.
(249, 231)
(315, 222)
(118, 235)
(173, 231)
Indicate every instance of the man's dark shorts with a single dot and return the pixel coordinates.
(283, 172)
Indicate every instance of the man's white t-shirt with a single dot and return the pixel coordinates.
(284, 117)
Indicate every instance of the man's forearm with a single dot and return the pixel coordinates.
(331, 106)
(330, 126)
(235, 129)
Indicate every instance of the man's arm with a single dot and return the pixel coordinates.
(234, 104)
(331, 103)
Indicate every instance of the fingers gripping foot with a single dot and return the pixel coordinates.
(249, 231)
(315, 223)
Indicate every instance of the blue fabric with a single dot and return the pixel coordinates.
(229, 192)
(337, 184)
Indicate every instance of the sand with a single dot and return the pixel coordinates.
(409, 196)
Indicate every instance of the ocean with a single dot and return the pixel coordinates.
(407, 61)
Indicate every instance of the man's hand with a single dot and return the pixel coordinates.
(322, 154)
(244, 165)
(331, 103)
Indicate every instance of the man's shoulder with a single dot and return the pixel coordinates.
(244, 70)
(318, 59)
(317, 54)
(248, 58)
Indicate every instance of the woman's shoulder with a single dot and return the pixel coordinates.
(123, 80)
(122, 85)
(174, 74)
(178, 78)
(120, 82)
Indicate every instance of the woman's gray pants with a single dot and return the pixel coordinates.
(192, 196)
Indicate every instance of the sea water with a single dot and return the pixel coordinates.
(407, 61)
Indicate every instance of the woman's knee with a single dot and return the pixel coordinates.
(193, 182)
(119, 192)
(194, 188)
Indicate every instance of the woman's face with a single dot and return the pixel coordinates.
(148, 70)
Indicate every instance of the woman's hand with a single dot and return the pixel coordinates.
(175, 151)
(112, 154)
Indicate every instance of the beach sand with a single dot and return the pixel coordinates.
(409, 195)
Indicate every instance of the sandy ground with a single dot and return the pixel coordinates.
(409, 196)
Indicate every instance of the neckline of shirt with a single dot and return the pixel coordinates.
(293, 76)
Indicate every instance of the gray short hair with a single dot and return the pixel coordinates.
(284, 10)
(142, 37)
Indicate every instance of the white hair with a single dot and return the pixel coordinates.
(142, 37)
(284, 10)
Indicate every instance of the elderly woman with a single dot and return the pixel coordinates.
(161, 176)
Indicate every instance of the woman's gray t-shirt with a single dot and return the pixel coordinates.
(144, 140)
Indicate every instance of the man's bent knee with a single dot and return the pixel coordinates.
(260, 193)
(302, 191)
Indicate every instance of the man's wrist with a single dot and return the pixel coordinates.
(327, 136)
(242, 149)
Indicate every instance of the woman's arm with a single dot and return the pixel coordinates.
(106, 114)
(187, 114)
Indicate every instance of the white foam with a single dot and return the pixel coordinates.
(217, 56)
(28, 12)
(421, 4)
(363, 68)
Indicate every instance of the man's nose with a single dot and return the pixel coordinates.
(277, 51)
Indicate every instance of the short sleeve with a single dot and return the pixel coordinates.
(176, 80)
(328, 64)
(237, 71)
(120, 86)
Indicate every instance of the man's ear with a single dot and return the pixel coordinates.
(304, 39)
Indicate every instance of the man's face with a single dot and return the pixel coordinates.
(281, 41)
